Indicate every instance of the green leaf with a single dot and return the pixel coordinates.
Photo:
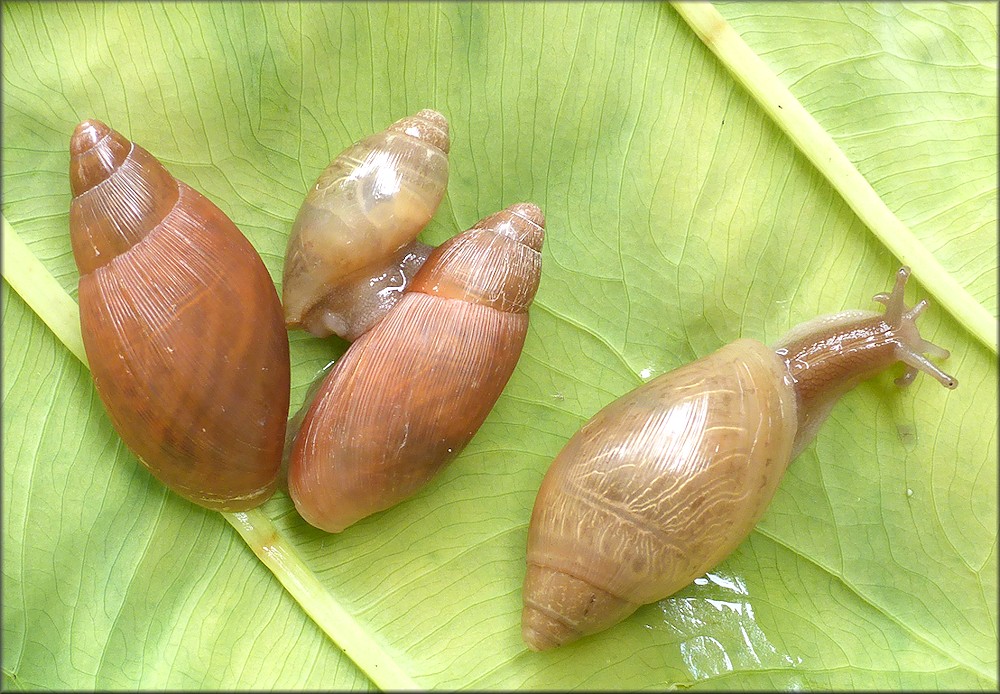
(682, 214)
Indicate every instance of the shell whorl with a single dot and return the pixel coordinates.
(426, 125)
(496, 263)
(120, 193)
(654, 490)
(359, 222)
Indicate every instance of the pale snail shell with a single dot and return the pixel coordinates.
(181, 323)
(663, 483)
(409, 394)
(353, 247)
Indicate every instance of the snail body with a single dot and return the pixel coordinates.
(181, 324)
(665, 482)
(409, 394)
(353, 249)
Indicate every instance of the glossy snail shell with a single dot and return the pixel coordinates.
(353, 247)
(408, 395)
(181, 323)
(662, 484)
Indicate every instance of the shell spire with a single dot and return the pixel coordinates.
(120, 193)
(496, 263)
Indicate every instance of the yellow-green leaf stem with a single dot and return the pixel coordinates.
(40, 290)
(274, 550)
(779, 103)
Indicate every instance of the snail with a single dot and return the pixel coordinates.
(663, 483)
(181, 324)
(353, 247)
(409, 394)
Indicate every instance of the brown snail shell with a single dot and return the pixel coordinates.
(662, 484)
(353, 246)
(409, 394)
(181, 324)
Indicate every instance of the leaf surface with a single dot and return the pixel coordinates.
(679, 218)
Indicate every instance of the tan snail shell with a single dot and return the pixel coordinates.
(181, 324)
(408, 395)
(353, 247)
(665, 482)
